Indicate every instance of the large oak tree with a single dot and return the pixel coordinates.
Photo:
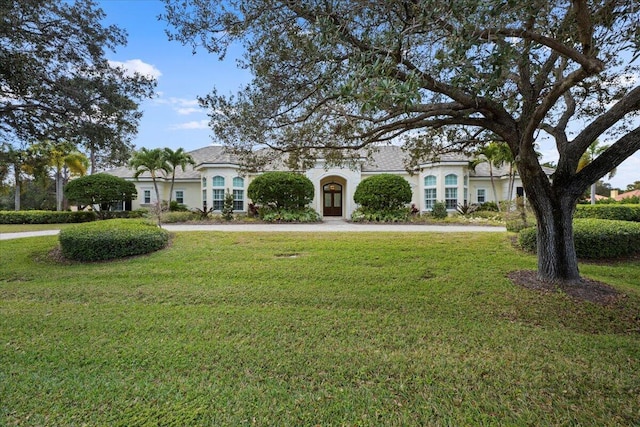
(55, 80)
(439, 75)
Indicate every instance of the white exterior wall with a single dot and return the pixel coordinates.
(320, 175)
(191, 193)
(352, 178)
(228, 173)
(440, 172)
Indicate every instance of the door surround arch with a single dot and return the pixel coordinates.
(333, 196)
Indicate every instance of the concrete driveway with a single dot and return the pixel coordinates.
(329, 225)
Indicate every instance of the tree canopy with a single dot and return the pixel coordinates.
(55, 81)
(438, 76)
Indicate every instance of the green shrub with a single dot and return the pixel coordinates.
(289, 215)
(100, 189)
(111, 239)
(439, 210)
(383, 193)
(388, 215)
(281, 190)
(595, 238)
(179, 216)
(177, 207)
(633, 200)
(227, 207)
(45, 217)
(489, 206)
(623, 212)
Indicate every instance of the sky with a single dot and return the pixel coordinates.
(173, 117)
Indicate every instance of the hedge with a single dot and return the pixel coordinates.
(110, 239)
(618, 212)
(595, 238)
(45, 217)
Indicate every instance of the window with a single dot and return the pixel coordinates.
(179, 196)
(238, 194)
(238, 200)
(204, 196)
(481, 195)
(466, 189)
(218, 181)
(218, 199)
(451, 191)
(430, 192)
(147, 196)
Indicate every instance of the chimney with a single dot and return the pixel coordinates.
(614, 194)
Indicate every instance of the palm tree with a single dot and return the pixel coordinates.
(67, 162)
(152, 161)
(15, 158)
(174, 159)
(593, 151)
(492, 154)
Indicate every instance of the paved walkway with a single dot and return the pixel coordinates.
(332, 225)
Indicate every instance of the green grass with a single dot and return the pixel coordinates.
(311, 329)
(18, 228)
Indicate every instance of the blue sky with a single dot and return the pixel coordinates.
(173, 118)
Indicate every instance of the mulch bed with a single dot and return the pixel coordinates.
(585, 290)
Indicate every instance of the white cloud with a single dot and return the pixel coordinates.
(137, 66)
(182, 106)
(187, 111)
(195, 124)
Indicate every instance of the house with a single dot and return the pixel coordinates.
(626, 195)
(449, 179)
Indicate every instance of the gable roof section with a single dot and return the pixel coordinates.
(389, 158)
(628, 194)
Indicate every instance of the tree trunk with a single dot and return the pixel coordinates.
(493, 186)
(92, 158)
(557, 260)
(16, 197)
(593, 194)
(553, 206)
(173, 180)
(58, 190)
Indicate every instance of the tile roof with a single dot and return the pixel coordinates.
(384, 159)
(626, 195)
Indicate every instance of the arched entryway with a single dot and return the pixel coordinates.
(332, 199)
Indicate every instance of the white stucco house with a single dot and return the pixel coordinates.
(450, 179)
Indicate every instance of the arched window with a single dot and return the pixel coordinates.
(238, 193)
(217, 201)
(430, 191)
(451, 191)
(218, 181)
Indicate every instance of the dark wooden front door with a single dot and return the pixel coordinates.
(332, 196)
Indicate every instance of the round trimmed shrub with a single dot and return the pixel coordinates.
(110, 239)
(383, 192)
(595, 238)
(281, 190)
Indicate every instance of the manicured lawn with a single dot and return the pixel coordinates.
(311, 329)
(18, 228)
